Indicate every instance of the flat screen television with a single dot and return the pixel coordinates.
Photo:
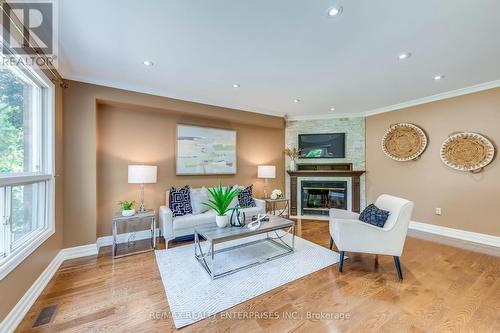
(331, 145)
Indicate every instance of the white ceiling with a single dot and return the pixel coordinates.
(278, 50)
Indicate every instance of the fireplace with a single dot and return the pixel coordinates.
(317, 197)
(334, 172)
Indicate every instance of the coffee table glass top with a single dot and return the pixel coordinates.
(215, 234)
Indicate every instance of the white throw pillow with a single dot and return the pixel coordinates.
(198, 196)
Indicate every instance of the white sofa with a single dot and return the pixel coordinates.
(182, 226)
(352, 235)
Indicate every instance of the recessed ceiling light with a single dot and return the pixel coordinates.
(236, 85)
(148, 63)
(438, 77)
(335, 11)
(332, 109)
(404, 56)
(296, 100)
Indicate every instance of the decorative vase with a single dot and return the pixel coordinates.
(221, 221)
(237, 218)
(128, 212)
(292, 165)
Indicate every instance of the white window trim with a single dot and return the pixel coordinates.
(15, 258)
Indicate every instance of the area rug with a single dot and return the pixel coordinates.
(193, 296)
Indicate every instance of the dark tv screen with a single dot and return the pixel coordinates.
(330, 145)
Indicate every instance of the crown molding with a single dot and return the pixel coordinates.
(434, 98)
(325, 116)
(403, 105)
(384, 109)
(161, 93)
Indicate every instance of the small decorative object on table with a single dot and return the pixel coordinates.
(255, 224)
(127, 207)
(276, 194)
(237, 217)
(221, 199)
(293, 154)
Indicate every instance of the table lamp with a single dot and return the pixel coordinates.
(266, 172)
(142, 174)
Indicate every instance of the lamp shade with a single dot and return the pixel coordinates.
(141, 174)
(266, 171)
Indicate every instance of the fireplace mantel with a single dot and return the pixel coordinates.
(353, 174)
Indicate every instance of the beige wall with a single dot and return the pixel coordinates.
(129, 136)
(469, 202)
(15, 285)
(145, 122)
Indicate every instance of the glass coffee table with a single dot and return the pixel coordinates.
(282, 243)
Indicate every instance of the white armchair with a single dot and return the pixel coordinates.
(351, 234)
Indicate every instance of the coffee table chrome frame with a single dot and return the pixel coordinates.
(209, 265)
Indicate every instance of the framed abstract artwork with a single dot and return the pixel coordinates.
(205, 151)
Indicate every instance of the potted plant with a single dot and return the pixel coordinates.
(221, 199)
(127, 207)
(293, 154)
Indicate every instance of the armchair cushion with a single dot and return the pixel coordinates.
(374, 216)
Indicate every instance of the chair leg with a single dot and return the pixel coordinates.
(398, 267)
(331, 243)
(341, 262)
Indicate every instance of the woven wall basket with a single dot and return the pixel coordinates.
(404, 142)
(467, 152)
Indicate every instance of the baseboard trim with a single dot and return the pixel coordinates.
(123, 238)
(16, 315)
(79, 251)
(462, 235)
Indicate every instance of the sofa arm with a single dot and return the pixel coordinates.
(261, 204)
(166, 223)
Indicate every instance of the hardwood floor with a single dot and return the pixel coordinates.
(445, 289)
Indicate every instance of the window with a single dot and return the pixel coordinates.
(26, 164)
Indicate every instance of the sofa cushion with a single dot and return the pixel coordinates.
(190, 221)
(179, 201)
(245, 197)
(374, 215)
(198, 196)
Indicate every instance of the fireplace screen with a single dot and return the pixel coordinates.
(319, 196)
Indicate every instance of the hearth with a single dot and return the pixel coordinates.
(317, 197)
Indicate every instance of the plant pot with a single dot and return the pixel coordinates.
(128, 212)
(221, 221)
(292, 165)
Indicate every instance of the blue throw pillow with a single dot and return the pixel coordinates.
(180, 201)
(245, 198)
(374, 215)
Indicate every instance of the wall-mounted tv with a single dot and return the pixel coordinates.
(331, 145)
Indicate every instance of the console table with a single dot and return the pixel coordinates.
(119, 219)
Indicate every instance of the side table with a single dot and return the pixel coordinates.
(119, 219)
(271, 203)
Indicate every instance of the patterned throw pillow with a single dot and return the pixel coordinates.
(180, 201)
(245, 198)
(374, 215)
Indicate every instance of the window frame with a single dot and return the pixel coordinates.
(44, 108)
